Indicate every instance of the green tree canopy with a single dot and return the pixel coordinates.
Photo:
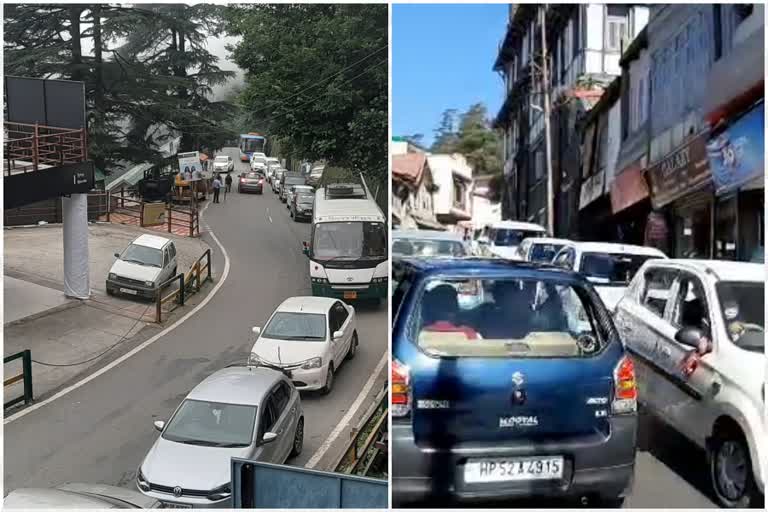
(470, 134)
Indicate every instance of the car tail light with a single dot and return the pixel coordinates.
(400, 392)
(625, 385)
(242, 180)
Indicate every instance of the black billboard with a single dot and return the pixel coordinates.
(58, 103)
(25, 188)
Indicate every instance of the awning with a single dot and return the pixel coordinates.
(628, 188)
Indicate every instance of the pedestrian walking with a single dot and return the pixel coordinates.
(216, 189)
(228, 181)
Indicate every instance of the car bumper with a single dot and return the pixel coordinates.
(186, 502)
(596, 466)
(251, 188)
(141, 291)
(309, 380)
(371, 291)
(302, 215)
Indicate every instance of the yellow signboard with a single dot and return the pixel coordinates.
(153, 214)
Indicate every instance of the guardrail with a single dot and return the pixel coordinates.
(369, 441)
(189, 284)
(26, 375)
(29, 147)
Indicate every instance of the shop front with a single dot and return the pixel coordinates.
(682, 192)
(736, 157)
(631, 204)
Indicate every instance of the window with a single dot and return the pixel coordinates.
(281, 397)
(172, 249)
(742, 306)
(269, 416)
(565, 259)
(166, 258)
(286, 325)
(338, 316)
(616, 27)
(691, 308)
(459, 199)
(212, 424)
(658, 287)
(576, 41)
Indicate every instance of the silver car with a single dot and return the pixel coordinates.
(248, 412)
(78, 496)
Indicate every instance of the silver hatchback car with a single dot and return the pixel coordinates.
(246, 412)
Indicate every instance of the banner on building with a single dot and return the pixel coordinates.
(190, 163)
(737, 155)
(681, 171)
(628, 188)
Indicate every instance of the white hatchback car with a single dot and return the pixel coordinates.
(309, 337)
(145, 264)
(697, 330)
(608, 266)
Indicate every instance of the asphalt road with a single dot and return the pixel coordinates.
(101, 431)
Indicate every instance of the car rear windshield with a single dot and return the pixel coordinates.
(743, 309)
(212, 424)
(508, 318)
(512, 237)
(143, 255)
(611, 268)
(544, 253)
(296, 326)
(306, 199)
(294, 181)
(414, 247)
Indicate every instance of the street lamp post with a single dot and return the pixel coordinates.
(547, 133)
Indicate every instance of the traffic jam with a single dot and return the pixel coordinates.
(521, 365)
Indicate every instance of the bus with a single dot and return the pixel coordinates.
(348, 253)
(251, 143)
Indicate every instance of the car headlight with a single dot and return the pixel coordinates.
(315, 362)
(220, 493)
(112, 276)
(141, 481)
(254, 359)
(149, 283)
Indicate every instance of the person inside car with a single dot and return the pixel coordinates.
(440, 312)
(509, 315)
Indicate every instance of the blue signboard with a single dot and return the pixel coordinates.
(736, 156)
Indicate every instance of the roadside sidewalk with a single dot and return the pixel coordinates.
(74, 337)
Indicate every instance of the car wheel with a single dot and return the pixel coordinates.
(328, 380)
(353, 346)
(730, 470)
(298, 440)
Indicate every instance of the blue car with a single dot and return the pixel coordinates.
(530, 394)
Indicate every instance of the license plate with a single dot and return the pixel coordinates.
(166, 504)
(128, 291)
(513, 469)
(350, 295)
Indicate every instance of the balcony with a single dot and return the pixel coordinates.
(32, 147)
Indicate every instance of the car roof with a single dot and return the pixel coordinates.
(154, 241)
(74, 498)
(236, 385)
(547, 240)
(721, 269)
(272, 159)
(226, 157)
(514, 224)
(307, 304)
(415, 234)
(489, 267)
(609, 247)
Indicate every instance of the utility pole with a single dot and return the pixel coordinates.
(547, 133)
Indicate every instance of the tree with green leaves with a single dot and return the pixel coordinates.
(470, 134)
(316, 79)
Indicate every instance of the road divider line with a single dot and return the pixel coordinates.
(347, 419)
(141, 347)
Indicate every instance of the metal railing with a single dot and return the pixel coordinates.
(189, 284)
(369, 441)
(28, 147)
(25, 375)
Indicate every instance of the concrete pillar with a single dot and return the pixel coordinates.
(76, 262)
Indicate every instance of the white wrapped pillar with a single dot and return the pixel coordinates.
(75, 221)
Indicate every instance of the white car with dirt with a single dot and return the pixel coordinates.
(310, 337)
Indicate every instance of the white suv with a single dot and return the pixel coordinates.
(696, 328)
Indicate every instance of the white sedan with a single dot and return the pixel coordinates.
(223, 163)
(310, 337)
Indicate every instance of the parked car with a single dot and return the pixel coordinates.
(78, 496)
(146, 263)
(315, 175)
(520, 397)
(247, 412)
(295, 189)
(223, 163)
(302, 205)
(259, 162)
(276, 179)
(609, 267)
(501, 239)
(310, 337)
(288, 179)
(697, 330)
(541, 249)
(271, 168)
(251, 182)
(408, 243)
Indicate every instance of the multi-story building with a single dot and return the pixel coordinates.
(584, 46)
(452, 175)
(412, 189)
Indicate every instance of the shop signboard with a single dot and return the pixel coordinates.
(190, 163)
(628, 188)
(737, 155)
(591, 189)
(153, 214)
(681, 171)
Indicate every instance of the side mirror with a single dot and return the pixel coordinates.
(159, 425)
(691, 337)
(117, 255)
(338, 335)
(268, 437)
(256, 330)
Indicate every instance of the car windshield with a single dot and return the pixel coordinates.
(743, 310)
(349, 240)
(222, 159)
(427, 248)
(253, 176)
(544, 253)
(296, 326)
(512, 237)
(305, 199)
(143, 255)
(616, 269)
(510, 318)
(212, 424)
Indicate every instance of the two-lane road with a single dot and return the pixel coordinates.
(101, 431)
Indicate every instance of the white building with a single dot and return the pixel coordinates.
(452, 175)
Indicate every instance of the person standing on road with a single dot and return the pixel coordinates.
(228, 181)
(216, 188)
